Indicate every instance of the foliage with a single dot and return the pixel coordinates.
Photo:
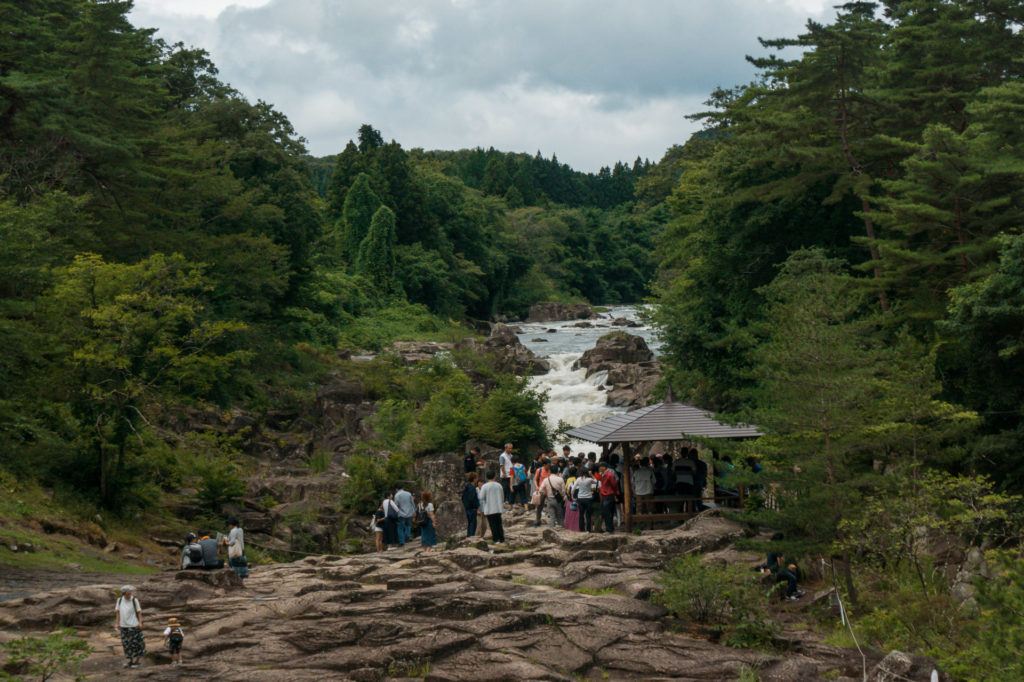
(60, 652)
(895, 528)
(371, 477)
(726, 596)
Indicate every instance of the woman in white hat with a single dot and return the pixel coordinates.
(128, 621)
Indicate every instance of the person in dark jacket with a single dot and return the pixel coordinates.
(210, 558)
(470, 460)
(471, 503)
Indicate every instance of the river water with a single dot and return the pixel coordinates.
(572, 398)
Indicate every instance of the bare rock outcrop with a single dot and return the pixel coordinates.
(556, 312)
(632, 370)
(549, 605)
(509, 352)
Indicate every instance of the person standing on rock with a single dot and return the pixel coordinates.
(470, 460)
(609, 491)
(428, 528)
(128, 623)
(471, 503)
(492, 500)
(236, 549)
(554, 497)
(406, 510)
(643, 487)
(584, 490)
(391, 516)
(538, 496)
(520, 480)
(505, 472)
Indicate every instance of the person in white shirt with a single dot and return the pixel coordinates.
(505, 472)
(584, 490)
(643, 486)
(128, 622)
(492, 504)
(553, 489)
(236, 549)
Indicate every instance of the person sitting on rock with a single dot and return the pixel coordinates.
(788, 572)
(191, 553)
(210, 558)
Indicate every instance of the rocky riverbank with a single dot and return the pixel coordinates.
(551, 605)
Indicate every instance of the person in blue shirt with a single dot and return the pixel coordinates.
(406, 510)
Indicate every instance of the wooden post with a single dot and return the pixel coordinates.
(627, 487)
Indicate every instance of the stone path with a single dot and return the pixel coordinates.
(549, 606)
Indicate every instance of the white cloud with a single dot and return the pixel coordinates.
(594, 82)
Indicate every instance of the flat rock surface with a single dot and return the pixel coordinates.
(548, 605)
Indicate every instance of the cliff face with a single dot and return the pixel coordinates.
(551, 605)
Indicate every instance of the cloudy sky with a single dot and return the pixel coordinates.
(593, 81)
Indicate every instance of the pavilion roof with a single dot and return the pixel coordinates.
(666, 421)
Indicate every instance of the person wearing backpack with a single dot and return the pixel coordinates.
(191, 553)
(174, 636)
(128, 623)
(471, 503)
(520, 479)
(554, 497)
(427, 520)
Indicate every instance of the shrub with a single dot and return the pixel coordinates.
(62, 651)
(511, 413)
(370, 476)
(718, 595)
(219, 484)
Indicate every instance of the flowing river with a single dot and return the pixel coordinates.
(573, 398)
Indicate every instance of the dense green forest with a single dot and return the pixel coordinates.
(837, 256)
(166, 244)
(844, 266)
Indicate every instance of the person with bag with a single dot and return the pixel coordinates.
(377, 528)
(174, 636)
(609, 491)
(471, 503)
(554, 496)
(520, 479)
(571, 518)
(236, 549)
(584, 490)
(128, 623)
(428, 530)
(538, 496)
(391, 516)
(192, 553)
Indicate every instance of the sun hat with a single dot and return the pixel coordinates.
(172, 621)
(125, 589)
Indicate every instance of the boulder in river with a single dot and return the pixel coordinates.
(554, 312)
(625, 322)
(632, 370)
(511, 355)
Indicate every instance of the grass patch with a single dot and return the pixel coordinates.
(399, 322)
(597, 592)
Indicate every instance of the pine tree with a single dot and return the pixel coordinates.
(496, 178)
(377, 252)
(361, 203)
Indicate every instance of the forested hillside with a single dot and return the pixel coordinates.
(167, 245)
(844, 266)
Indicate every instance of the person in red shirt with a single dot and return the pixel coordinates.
(609, 490)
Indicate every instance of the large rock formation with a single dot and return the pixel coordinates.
(632, 370)
(555, 312)
(550, 605)
(509, 352)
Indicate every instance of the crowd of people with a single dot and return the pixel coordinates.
(578, 492)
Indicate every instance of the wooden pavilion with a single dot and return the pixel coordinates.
(668, 422)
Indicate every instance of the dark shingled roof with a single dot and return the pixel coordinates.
(664, 421)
